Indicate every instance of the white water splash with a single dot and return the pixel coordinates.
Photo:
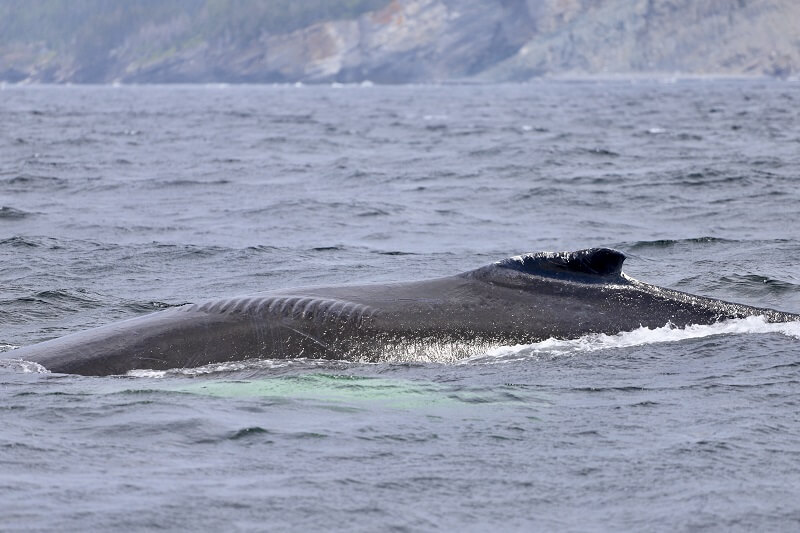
(20, 366)
(643, 336)
(230, 366)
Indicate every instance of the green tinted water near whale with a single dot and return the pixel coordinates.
(365, 391)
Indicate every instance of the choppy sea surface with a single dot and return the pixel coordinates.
(119, 201)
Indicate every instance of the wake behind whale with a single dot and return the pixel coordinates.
(517, 301)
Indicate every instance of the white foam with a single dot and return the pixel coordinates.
(230, 366)
(20, 366)
(197, 371)
(642, 336)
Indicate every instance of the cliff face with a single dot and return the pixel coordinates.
(406, 41)
(436, 40)
(738, 37)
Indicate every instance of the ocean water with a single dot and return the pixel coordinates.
(118, 201)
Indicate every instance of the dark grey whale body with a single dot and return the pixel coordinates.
(518, 300)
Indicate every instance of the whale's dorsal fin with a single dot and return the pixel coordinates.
(600, 262)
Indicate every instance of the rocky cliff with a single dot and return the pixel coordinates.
(437, 40)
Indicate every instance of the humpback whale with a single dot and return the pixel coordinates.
(518, 300)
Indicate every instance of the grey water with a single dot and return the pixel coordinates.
(119, 201)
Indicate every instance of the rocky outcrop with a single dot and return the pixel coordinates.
(437, 40)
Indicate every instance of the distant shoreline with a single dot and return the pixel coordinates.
(571, 77)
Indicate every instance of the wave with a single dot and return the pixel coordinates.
(7, 212)
(185, 182)
(27, 182)
(666, 243)
(62, 297)
(19, 241)
(759, 283)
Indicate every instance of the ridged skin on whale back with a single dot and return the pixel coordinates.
(518, 300)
